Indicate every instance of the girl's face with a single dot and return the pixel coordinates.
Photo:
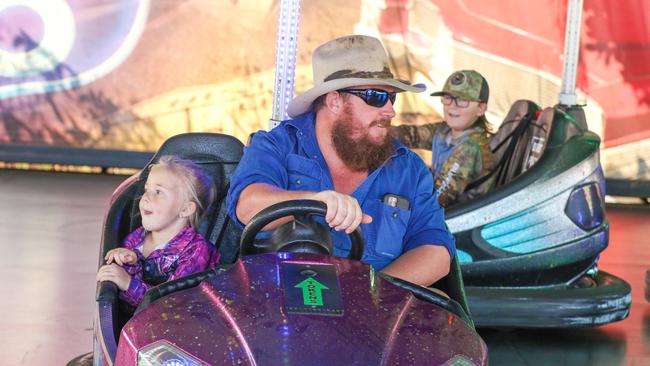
(461, 118)
(163, 202)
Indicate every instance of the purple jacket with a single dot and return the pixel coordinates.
(188, 252)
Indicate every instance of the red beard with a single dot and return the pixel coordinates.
(360, 153)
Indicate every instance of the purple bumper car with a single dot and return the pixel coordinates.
(283, 300)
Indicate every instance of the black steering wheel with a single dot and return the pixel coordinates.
(302, 235)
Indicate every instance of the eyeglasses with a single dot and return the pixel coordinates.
(373, 97)
(460, 102)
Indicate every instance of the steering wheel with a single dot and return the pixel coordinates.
(302, 235)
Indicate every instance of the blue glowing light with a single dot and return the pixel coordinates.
(175, 362)
(584, 207)
(464, 257)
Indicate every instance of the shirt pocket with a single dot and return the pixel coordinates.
(391, 228)
(304, 174)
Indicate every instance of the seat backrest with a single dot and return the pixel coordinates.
(517, 112)
(539, 133)
(520, 140)
(218, 155)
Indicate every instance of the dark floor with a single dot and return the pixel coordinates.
(49, 235)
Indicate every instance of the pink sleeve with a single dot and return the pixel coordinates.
(135, 293)
(132, 241)
(197, 257)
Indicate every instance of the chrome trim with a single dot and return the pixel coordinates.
(539, 193)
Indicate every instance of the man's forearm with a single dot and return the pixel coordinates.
(259, 196)
(423, 265)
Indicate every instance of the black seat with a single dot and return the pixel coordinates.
(523, 137)
(519, 142)
(218, 155)
(512, 142)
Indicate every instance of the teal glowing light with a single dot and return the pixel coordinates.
(464, 257)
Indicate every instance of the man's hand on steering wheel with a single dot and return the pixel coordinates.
(343, 211)
(302, 235)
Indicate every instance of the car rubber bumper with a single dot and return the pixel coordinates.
(551, 306)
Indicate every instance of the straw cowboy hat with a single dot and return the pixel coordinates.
(345, 62)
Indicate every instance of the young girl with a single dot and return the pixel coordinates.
(459, 145)
(167, 246)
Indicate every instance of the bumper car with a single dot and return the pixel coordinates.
(529, 248)
(283, 300)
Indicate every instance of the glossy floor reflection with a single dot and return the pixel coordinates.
(50, 227)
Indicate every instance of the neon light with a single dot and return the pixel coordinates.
(86, 77)
(285, 64)
(58, 39)
(175, 362)
(464, 257)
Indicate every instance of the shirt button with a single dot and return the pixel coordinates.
(395, 215)
(298, 182)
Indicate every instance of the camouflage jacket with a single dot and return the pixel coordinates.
(456, 162)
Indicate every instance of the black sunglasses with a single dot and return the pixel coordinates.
(373, 97)
(460, 102)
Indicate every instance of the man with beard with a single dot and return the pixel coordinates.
(337, 149)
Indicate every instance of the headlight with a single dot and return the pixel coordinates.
(163, 353)
(459, 361)
(585, 207)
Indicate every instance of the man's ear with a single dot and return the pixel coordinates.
(334, 102)
(189, 208)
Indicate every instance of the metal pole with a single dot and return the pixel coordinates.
(285, 60)
(571, 53)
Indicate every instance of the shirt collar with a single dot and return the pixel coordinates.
(183, 238)
(180, 240)
(303, 127)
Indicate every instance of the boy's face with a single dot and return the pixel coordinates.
(162, 201)
(461, 118)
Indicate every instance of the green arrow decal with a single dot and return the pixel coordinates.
(312, 291)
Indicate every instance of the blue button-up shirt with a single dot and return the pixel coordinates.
(288, 157)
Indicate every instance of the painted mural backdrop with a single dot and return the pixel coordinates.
(518, 46)
(127, 74)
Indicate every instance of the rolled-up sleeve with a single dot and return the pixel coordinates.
(263, 162)
(427, 223)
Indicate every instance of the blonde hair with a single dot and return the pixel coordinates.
(199, 186)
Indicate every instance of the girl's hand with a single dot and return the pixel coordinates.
(115, 274)
(121, 256)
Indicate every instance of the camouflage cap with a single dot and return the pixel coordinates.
(466, 84)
